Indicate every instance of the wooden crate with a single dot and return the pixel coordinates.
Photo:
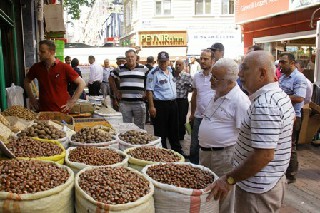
(58, 116)
(89, 122)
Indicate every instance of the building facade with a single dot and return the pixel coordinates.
(181, 27)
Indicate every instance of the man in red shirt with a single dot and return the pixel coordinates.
(53, 77)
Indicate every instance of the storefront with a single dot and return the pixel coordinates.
(152, 42)
(277, 26)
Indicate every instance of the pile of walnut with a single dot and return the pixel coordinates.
(20, 112)
(185, 176)
(95, 156)
(27, 147)
(91, 135)
(4, 121)
(136, 137)
(113, 185)
(30, 176)
(43, 130)
(154, 154)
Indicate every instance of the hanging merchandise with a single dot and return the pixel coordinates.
(15, 95)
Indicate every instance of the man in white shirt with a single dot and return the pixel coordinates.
(95, 77)
(300, 66)
(263, 149)
(194, 66)
(105, 87)
(201, 96)
(220, 126)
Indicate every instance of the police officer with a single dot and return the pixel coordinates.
(163, 109)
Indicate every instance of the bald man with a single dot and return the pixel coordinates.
(262, 152)
(183, 87)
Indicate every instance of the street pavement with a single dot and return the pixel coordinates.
(301, 196)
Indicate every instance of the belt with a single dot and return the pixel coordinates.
(105, 82)
(212, 148)
(165, 101)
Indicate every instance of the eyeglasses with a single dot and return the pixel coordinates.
(213, 78)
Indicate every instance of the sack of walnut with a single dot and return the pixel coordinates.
(148, 155)
(51, 150)
(36, 187)
(113, 190)
(137, 138)
(81, 157)
(183, 190)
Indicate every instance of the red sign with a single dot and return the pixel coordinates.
(248, 10)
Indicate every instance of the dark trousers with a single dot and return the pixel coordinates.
(294, 164)
(94, 88)
(183, 107)
(166, 123)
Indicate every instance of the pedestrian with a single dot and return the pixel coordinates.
(53, 77)
(105, 87)
(163, 108)
(95, 77)
(201, 96)
(221, 123)
(67, 60)
(183, 87)
(300, 66)
(194, 66)
(72, 87)
(294, 84)
(262, 152)
(131, 93)
(218, 50)
(150, 65)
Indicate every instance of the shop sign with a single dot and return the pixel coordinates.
(162, 39)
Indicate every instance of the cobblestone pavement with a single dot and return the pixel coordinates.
(304, 194)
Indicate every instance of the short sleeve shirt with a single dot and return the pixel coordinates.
(294, 84)
(162, 85)
(184, 84)
(53, 84)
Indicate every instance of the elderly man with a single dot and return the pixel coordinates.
(262, 153)
(183, 87)
(294, 84)
(105, 87)
(131, 77)
(220, 126)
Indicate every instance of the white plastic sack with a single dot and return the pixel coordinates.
(125, 145)
(15, 95)
(86, 204)
(169, 198)
(77, 166)
(58, 200)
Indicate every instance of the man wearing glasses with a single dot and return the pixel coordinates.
(220, 126)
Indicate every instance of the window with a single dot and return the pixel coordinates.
(163, 7)
(227, 7)
(202, 7)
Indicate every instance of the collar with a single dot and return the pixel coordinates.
(201, 73)
(126, 66)
(264, 89)
(294, 72)
(231, 93)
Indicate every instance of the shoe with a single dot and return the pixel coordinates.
(291, 179)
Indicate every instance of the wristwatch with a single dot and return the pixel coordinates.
(230, 180)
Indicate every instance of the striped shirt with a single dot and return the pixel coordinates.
(132, 82)
(268, 124)
(294, 84)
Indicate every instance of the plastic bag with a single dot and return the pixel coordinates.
(15, 95)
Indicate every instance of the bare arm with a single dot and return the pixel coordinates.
(251, 166)
(114, 88)
(32, 99)
(193, 104)
(152, 110)
(71, 102)
(296, 99)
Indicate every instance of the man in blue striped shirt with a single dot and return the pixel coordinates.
(131, 94)
(263, 148)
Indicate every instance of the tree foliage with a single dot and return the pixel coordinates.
(73, 7)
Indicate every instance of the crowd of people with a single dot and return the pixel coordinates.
(245, 118)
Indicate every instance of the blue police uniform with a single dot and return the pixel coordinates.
(165, 123)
